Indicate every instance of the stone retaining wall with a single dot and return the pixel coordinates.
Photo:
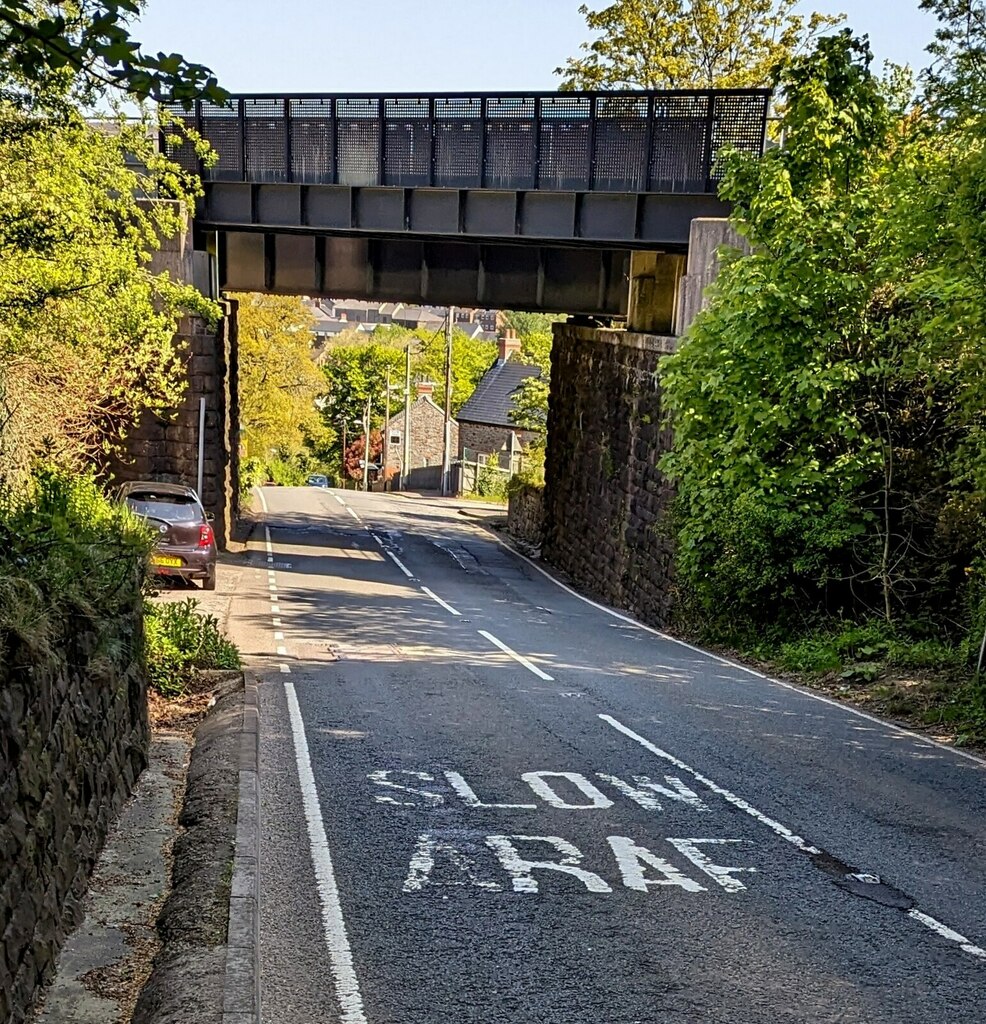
(604, 500)
(73, 740)
(525, 514)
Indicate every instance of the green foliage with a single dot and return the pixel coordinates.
(471, 358)
(67, 555)
(179, 642)
(491, 481)
(687, 44)
(53, 43)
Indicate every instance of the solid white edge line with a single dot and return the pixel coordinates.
(263, 500)
(928, 740)
(334, 926)
(400, 565)
(782, 830)
(437, 599)
(519, 658)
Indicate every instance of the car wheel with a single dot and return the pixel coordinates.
(209, 583)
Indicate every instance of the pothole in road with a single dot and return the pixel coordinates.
(860, 883)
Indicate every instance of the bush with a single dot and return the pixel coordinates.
(491, 482)
(179, 642)
(68, 553)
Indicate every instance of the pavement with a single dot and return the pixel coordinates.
(484, 798)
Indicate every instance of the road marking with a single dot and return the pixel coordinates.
(337, 498)
(542, 788)
(285, 669)
(277, 621)
(278, 635)
(530, 666)
(275, 610)
(469, 798)
(263, 500)
(631, 860)
(400, 565)
(281, 650)
(352, 512)
(377, 538)
(521, 870)
(334, 926)
(785, 833)
(272, 587)
(437, 599)
(924, 740)
(775, 826)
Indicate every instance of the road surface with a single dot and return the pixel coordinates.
(485, 799)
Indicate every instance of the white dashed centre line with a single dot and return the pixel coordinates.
(783, 831)
(438, 600)
(352, 512)
(519, 658)
(337, 498)
(400, 565)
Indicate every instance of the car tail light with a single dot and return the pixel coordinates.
(206, 536)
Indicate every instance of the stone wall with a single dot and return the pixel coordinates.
(427, 434)
(605, 501)
(525, 514)
(165, 447)
(73, 740)
(487, 439)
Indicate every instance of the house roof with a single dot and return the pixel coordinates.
(493, 398)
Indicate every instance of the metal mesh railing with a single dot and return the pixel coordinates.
(604, 142)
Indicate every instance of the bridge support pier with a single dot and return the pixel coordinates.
(655, 281)
(165, 447)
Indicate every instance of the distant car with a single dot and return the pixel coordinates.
(187, 543)
(317, 480)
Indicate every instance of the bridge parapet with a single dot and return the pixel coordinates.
(626, 142)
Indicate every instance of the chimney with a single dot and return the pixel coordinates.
(425, 388)
(509, 344)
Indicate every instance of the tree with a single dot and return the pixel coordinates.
(355, 373)
(279, 382)
(685, 44)
(955, 84)
(87, 332)
(827, 406)
(355, 456)
(52, 43)
(471, 358)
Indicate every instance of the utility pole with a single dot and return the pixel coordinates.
(447, 439)
(343, 474)
(366, 447)
(386, 432)
(406, 462)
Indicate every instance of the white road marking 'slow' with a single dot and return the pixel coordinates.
(775, 826)
(438, 600)
(400, 565)
(336, 941)
(352, 512)
(530, 666)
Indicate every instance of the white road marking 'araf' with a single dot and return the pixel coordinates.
(775, 826)
(336, 940)
(438, 600)
(719, 872)
(422, 866)
(400, 565)
(632, 859)
(381, 777)
(469, 798)
(529, 665)
(645, 792)
(521, 870)
(538, 782)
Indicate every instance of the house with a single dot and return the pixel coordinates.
(485, 426)
(427, 433)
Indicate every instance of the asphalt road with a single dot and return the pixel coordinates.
(485, 799)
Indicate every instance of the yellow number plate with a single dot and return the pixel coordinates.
(174, 563)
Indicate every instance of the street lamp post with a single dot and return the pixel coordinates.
(366, 447)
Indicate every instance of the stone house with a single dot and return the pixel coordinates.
(485, 426)
(427, 432)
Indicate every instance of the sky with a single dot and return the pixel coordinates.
(429, 45)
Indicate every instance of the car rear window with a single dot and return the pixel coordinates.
(172, 508)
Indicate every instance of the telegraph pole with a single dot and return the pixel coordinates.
(406, 462)
(447, 440)
(386, 432)
(366, 447)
